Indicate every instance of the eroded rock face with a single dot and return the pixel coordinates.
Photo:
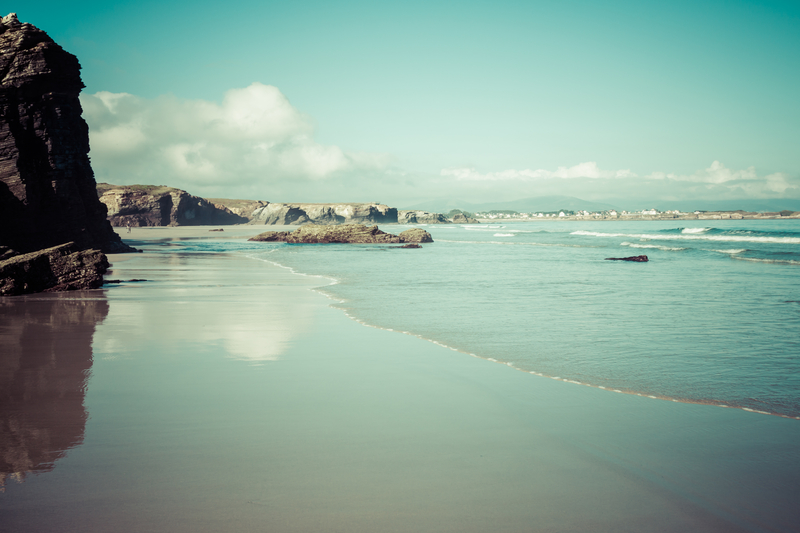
(60, 268)
(323, 214)
(149, 205)
(421, 217)
(345, 233)
(47, 187)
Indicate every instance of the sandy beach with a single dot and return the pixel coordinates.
(224, 394)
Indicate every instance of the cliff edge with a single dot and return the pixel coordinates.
(47, 187)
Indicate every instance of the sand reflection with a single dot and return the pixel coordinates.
(45, 362)
(248, 308)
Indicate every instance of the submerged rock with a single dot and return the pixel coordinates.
(345, 233)
(60, 268)
(635, 258)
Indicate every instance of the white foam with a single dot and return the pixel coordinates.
(671, 237)
(656, 246)
(695, 230)
(731, 251)
(773, 261)
(503, 235)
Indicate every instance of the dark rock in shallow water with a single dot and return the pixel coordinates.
(635, 258)
(47, 187)
(410, 246)
(346, 233)
(60, 268)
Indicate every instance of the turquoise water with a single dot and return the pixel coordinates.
(713, 317)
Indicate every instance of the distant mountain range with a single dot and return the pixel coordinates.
(555, 203)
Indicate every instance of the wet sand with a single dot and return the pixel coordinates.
(225, 395)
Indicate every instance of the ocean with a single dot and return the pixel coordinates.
(713, 317)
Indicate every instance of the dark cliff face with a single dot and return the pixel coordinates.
(47, 188)
(148, 205)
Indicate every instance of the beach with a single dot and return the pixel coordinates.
(226, 393)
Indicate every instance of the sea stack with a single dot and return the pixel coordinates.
(48, 194)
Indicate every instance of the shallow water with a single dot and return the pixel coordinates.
(713, 317)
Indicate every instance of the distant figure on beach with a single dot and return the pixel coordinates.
(129, 227)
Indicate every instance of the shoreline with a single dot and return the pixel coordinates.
(230, 394)
(190, 232)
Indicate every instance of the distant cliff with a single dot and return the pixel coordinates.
(149, 205)
(421, 217)
(324, 214)
(47, 187)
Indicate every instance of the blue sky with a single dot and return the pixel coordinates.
(400, 102)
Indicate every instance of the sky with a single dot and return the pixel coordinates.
(623, 102)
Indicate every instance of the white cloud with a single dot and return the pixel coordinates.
(716, 173)
(581, 170)
(254, 140)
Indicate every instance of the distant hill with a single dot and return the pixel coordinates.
(525, 205)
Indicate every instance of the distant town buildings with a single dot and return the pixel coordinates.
(644, 214)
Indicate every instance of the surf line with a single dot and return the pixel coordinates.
(338, 302)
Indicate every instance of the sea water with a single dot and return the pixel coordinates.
(713, 317)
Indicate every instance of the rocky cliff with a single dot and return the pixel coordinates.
(345, 233)
(149, 205)
(421, 217)
(47, 187)
(325, 214)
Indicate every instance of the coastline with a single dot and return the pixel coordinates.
(249, 402)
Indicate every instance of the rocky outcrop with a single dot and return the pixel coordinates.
(60, 268)
(323, 214)
(635, 258)
(345, 233)
(421, 217)
(47, 187)
(461, 218)
(243, 208)
(150, 205)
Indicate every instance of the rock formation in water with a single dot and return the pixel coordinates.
(421, 217)
(47, 187)
(635, 258)
(150, 205)
(345, 233)
(323, 214)
(60, 268)
(461, 218)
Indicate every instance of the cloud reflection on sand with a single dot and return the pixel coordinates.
(182, 304)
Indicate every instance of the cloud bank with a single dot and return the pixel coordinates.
(714, 182)
(255, 140)
(255, 144)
